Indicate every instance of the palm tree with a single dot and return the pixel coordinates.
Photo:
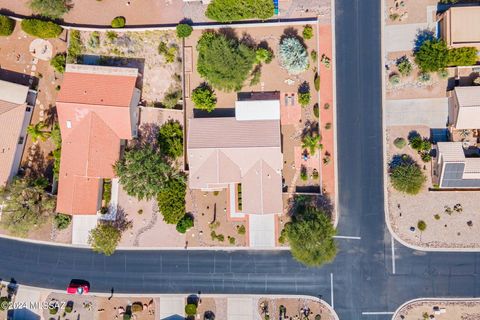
(312, 143)
(38, 131)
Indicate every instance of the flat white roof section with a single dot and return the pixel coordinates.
(257, 110)
(13, 92)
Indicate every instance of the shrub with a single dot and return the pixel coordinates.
(118, 22)
(53, 9)
(241, 230)
(171, 200)
(111, 36)
(326, 106)
(191, 309)
(424, 77)
(204, 98)
(400, 143)
(404, 66)
(293, 56)
(314, 56)
(168, 52)
(62, 221)
(307, 32)
(41, 29)
(104, 238)
(53, 309)
(228, 10)
(421, 225)
(184, 224)
(7, 25)
(432, 55)
(328, 126)
(316, 110)
(172, 98)
(303, 173)
(127, 316)
(183, 30)
(170, 139)
(232, 240)
(420, 144)
(94, 40)
(304, 98)
(325, 61)
(263, 55)
(465, 56)
(437, 217)
(316, 81)
(407, 177)
(443, 74)
(315, 174)
(426, 156)
(75, 46)
(58, 62)
(137, 307)
(224, 63)
(394, 79)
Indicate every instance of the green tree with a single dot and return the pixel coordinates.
(312, 143)
(233, 10)
(37, 131)
(307, 32)
(432, 55)
(59, 61)
(407, 177)
(7, 25)
(41, 29)
(170, 139)
(52, 9)
(171, 200)
(184, 224)
(310, 236)
(143, 172)
(118, 22)
(204, 98)
(293, 55)
(263, 55)
(191, 309)
(224, 63)
(183, 30)
(26, 205)
(104, 238)
(465, 56)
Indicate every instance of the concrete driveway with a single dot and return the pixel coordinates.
(82, 224)
(261, 230)
(172, 308)
(240, 308)
(432, 112)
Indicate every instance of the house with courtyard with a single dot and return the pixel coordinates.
(460, 26)
(242, 154)
(15, 113)
(98, 112)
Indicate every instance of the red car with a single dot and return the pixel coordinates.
(78, 287)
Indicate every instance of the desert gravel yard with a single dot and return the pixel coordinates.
(440, 310)
(451, 217)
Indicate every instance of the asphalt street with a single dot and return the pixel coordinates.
(364, 280)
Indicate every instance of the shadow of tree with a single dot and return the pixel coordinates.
(421, 37)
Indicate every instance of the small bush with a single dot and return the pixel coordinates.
(421, 225)
(183, 30)
(53, 309)
(443, 74)
(303, 173)
(304, 98)
(118, 22)
(326, 106)
(424, 77)
(407, 177)
(58, 62)
(263, 55)
(400, 143)
(316, 110)
(328, 126)
(307, 32)
(231, 240)
(437, 217)
(94, 40)
(314, 56)
(325, 61)
(426, 156)
(52, 9)
(168, 52)
(241, 230)
(62, 221)
(394, 79)
(184, 224)
(315, 174)
(204, 98)
(41, 29)
(7, 25)
(191, 309)
(137, 307)
(111, 36)
(404, 66)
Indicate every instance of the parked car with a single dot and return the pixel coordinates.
(78, 287)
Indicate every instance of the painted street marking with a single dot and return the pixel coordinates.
(331, 290)
(347, 237)
(393, 254)
(376, 313)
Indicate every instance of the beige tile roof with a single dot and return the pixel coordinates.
(468, 116)
(224, 150)
(465, 25)
(472, 168)
(13, 92)
(451, 151)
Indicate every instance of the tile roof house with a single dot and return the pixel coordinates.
(97, 110)
(245, 150)
(465, 108)
(460, 26)
(15, 115)
(453, 169)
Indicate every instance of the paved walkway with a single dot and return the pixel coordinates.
(432, 112)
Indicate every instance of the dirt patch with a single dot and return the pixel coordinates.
(445, 228)
(440, 310)
(111, 309)
(294, 308)
(407, 11)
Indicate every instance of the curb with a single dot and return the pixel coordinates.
(334, 109)
(385, 171)
(433, 300)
